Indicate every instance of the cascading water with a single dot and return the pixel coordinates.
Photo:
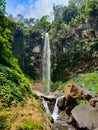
(46, 63)
(60, 123)
(55, 111)
(46, 107)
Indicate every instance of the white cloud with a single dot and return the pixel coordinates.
(20, 9)
(38, 8)
(43, 7)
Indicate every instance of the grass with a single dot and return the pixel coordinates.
(29, 125)
(2, 122)
(28, 115)
(89, 81)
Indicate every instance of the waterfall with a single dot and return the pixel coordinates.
(60, 122)
(55, 111)
(46, 63)
(46, 107)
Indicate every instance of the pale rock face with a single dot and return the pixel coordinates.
(36, 49)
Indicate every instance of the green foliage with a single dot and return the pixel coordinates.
(44, 24)
(30, 125)
(74, 41)
(93, 5)
(4, 31)
(94, 43)
(13, 85)
(24, 42)
(88, 81)
(9, 60)
(2, 6)
(70, 12)
(6, 56)
(58, 11)
(70, 43)
(79, 101)
(77, 3)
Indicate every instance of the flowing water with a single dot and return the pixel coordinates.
(46, 107)
(59, 123)
(46, 63)
(55, 111)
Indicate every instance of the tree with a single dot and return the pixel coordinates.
(6, 56)
(77, 3)
(44, 23)
(93, 8)
(2, 17)
(2, 6)
(29, 22)
(20, 17)
(58, 11)
(3, 29)
(71, 11)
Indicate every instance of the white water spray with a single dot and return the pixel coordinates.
(46, 63)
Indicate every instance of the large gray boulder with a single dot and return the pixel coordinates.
(85, 116)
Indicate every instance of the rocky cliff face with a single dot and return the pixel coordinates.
(76, 50)
(28, 50)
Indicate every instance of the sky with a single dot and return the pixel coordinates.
(32, 8)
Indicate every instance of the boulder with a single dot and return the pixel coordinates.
(50, 98)
(93, 101)
(38, 94)
(61, 103)
(63, 116)
(96, 106)
(96, 129)
(85, 117)
(72, 91)
(87, 95)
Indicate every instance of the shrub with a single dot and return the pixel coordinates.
(13, 85)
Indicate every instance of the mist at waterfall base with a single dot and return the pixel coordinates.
(46, 64)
